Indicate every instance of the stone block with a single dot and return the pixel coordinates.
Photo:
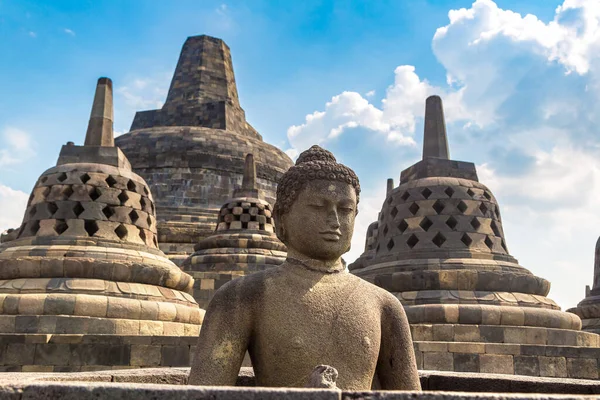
(437, 361)
(37, 368)
(515, 335)
(19, 354)
(92, 306)
(145, 355)
(422, 332)
(586, 368)
(555, 367)
(59, 304)
(496, 364)
(27, 323)
(502, 348)
(151, 328)
(466, 362)
(467, 333)
(52, 354)
(443, 332)
(527, 365)
(175, 356)
(173, 329)
(458, 347)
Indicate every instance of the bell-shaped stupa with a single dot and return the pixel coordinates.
(589, 308)
(85, 260)
(243, 242)
(191, 151)
(440, 248)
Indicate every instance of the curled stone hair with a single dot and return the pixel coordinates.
(315, 163)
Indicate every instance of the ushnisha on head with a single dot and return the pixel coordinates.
(316, 205)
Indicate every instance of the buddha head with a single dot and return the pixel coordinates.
(316, 206)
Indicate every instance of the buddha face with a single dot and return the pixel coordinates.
(320, 222)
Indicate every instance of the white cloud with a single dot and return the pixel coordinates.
(12, 207)
(370, 93)
(69, 32)
(32, 34)
(523, 101)
(16, 146)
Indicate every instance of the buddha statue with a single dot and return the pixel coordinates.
(308, 311)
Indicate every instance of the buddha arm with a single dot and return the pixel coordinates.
(396, 365)
(223, 340)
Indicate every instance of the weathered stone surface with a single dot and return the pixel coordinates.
(292, 306)
(323, 377)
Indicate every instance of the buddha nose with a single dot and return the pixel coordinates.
(333, 219)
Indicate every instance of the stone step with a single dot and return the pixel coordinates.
(506, 358)
(503, 334)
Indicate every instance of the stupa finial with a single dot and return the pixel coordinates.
(390, 186)
(100, 127)
(249, 179)
(435, 141)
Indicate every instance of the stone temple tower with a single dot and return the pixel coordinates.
(439, 247)
(191, 151)
(589, 308)
(243, 242)
(85, 271)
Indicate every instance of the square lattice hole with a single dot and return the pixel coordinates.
(394, 212)
(405, 196)
(412, 241)
(84, 178)
(451, 222)
(62, 177)
(402, 226)
(134, 216)
(414, 208)
(462, 207)
(449, 191)
(475, 223)
(131, 186)
(438, 207)
(123, 197)
(438, 239)
(425, 224)
(466, 239)
(121, 232)
(60, 226)
(110, 181)
(108, 212)
(95, 194)
(67, 192)
(426, 192)
(471, 193)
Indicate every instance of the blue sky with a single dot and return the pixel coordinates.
(519, 81)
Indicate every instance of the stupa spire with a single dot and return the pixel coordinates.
(100, 127)
(390, 186)
(435, 141)
(248, 188)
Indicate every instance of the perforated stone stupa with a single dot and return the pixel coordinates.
(243, 242)
(440, 248)
(191, 151)
(589, 308)
(85, 264)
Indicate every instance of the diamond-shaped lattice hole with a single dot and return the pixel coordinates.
(438, 207)
(149, 221)
(487, 195)
(131, 186)
(390, 244)
(91, 227)
(449, 191)
(111, 181)
(123, 197)
(402, 226)
(425, 224)
(121, 231)
(52, 208)
(78, 209)
(451, 222)
(390, 200)
(495, 229)
(385, 230)
(377, 248)
(438, 239)
(84, 178)
(32, 210)
(34, 227)
(108, 212)
(394, 212)
(489, 242)
(67, 192)
(475, 223)
(44, 179)
(466, 239)
(414, 208)
(462, 207)
(470, 192)
(134, 216)
(412, 241)
(146, 191)
(154, 241)
(503, 244)
(405, 196)
(60, 226)
(95, 194)
(62, 177)
(483, 208)
(143, 235)
(497, 212)
(426, 192)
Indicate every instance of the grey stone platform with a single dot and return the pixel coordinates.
(170, 383)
